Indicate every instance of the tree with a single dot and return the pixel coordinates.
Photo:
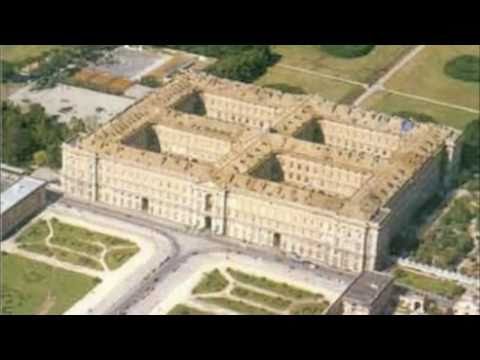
(26, 134)
(236, 62)
(347, 51)
(40, 158)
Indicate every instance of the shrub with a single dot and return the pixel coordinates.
(150, 81)
(465, 68)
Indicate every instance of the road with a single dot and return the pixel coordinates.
(184, 246)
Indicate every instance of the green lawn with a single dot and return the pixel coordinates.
(425, 76)
(236, 306)
(211, 283)
(186, 310)
(19, 53)
(117, 257)
(364, 69)
(277, 303)
(86, 246)
(310, 308)
(444, 288)
(392, 103)
(311, 84)
(30, 287)
(282, 289)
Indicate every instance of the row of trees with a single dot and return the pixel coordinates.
(32, 136)
(236, 62)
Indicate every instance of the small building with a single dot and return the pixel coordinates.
(19, 202)
(369, 294)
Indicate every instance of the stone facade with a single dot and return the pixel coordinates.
(22, 200)
(329, 183)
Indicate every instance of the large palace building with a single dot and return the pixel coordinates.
(329, 183)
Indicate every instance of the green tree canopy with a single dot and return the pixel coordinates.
(465, 68)
(347, 51)
(26, 133)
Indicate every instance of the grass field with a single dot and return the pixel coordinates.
(364, 69)
(444, 288)
(392, 103)
(30, 287)
(19, 53)
(311, 84)
(425, 76)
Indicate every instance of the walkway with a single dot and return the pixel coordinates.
(379, 84)
(432, 101)
(326, 76)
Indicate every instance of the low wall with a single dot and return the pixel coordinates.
(449, 275)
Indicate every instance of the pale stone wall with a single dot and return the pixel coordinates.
(324, 177)
(22, 211)
(187, 144)
(239, 112)
(359, 138)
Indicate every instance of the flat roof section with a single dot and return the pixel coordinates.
(367, 288)
(18, 191)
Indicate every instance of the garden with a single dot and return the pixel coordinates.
(76, 245)
(236, 292)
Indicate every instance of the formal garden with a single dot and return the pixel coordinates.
(230, 291)
(32, 288)
(76, 245)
